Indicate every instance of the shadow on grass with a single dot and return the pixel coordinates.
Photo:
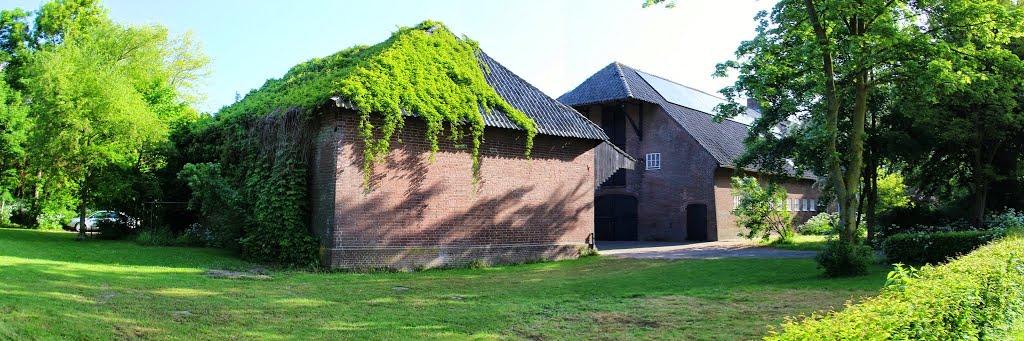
(49, 291)
(62, 247)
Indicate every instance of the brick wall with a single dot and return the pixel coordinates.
(795, 190)
(686, 174)
(429, 213)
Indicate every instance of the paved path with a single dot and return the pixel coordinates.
(695, 250)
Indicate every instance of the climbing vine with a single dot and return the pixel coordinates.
(258, 146)
(424, 71)
(431, 73)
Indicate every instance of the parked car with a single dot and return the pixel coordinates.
(98, 216)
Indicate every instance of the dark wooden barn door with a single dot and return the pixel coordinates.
(697, 222)
(615, 217)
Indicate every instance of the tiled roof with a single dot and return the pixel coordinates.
(552, 117)
(723, 140)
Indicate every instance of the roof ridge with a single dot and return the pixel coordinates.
(681, 84)
(622, 77)
(556, 101)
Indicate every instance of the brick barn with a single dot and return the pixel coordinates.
(681, 190)
(423, 213)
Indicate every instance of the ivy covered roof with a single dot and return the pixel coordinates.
(348, 75)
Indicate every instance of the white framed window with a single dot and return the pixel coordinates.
(653, 161)
(803, 205)
(735, 201)
(813, 205)
(789, 205)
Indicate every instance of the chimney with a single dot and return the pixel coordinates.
(753, 105)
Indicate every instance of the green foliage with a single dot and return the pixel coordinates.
(113, 230)
(823, 223)
(900, 277)
(1008, 222)
(433, 74)
(934, 247)
(14, 129)
(761, 210)
(218, 203)
(841, 258)
(976, 297)
(667, 3)
(892, 191)
(104, 97)
(277, 228)
(585, 251)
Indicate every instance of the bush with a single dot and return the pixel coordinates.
(156, 237)
(196, 235)
(820, 225)
(976, 297)
(844, 259)
(1007, 222)
(934, 247)
(761, 209)
(113, 230)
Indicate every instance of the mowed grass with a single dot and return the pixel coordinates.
(52, 287)
(802, 243)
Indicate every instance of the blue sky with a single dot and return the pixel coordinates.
(553, 44)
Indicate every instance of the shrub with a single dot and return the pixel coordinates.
(976, 297)
(1007, 222)
(934, 247)
(113, 230)
(156, 237)
(195, 235)
(822, 224)
(585, 251)
(761, 209)
(843, 259)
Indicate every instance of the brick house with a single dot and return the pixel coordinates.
(427, 213)
(681, 190)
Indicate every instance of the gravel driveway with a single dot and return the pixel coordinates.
(696, 250)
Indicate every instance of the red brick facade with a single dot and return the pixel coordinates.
(689, 175)
(430, 213)
(796, 189)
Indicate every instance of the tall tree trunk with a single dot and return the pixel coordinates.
(853, 173)
(832, 117)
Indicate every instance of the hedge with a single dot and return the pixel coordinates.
(934, 247)
(976, 297)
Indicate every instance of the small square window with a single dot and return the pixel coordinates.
(653, 161)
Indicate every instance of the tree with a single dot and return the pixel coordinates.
(962, 99)
(813, 61)
(762, 209)
(21, 36)
(99, 94)
(14, 128)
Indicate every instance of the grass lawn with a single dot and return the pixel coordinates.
(802, 243)
(52, 287)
